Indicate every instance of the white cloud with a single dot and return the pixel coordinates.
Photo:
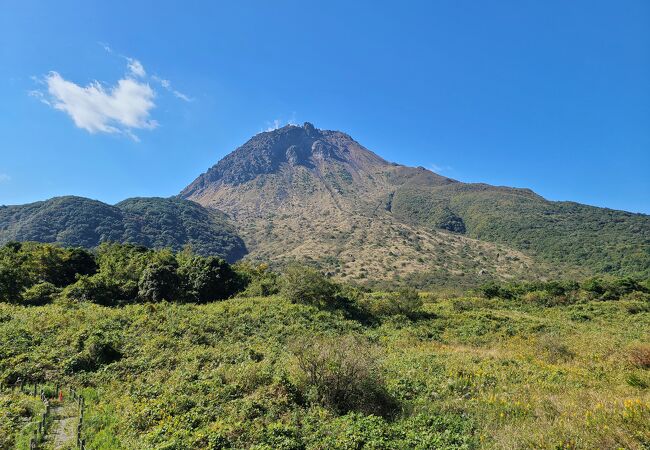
(119, 109)
(98, 108)
(106, 47)
(4, 178)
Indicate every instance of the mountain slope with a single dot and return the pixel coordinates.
(567, 234)
(153, 222)
(319, 196)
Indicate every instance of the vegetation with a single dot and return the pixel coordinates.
(152, 222)
(117, 274)
(319, 365)
(581, 238)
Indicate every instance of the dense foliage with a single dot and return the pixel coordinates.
(116, 274)
(153, 222)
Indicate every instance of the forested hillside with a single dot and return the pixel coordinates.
(153, 222)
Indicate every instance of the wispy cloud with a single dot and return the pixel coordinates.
(4, 178)
(440, 168)
(166, 84)
(274, 125)
(135, 68)
(96, 107)
(279, 123)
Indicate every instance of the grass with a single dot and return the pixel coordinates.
(466, 373)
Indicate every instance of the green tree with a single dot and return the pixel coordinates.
(12, 281)
(158, 282)
(208, 279)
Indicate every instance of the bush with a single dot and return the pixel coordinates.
(96, 289)
(343, 375)
(612, 289)
(554, 348)
(259, 280)
(544, 298)
(408, 302)
(308, 286)
(494, 290)
(98, 350)
(40, 294)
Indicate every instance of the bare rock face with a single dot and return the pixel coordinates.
(292, 155)
(320, 150)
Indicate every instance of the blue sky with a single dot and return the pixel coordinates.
(118, 99)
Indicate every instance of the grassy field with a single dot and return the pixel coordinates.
(462, 373)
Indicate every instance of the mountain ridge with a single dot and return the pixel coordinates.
(150, 221)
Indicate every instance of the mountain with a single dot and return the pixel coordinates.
(317, 196)
(300, 193)
(153, 222)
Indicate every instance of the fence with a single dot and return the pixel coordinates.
(43, 423)
(81, 442)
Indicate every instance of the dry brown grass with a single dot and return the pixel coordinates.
(640, 356)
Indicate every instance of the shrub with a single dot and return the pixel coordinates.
(99, 350)
(462, 304)
(542, 298)
(640, 356)
(407, 302)
(308, 286)
(96, 289)
(555, 349)
(343, 375)
(494, 290)
(259, 280)
(40, 294)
